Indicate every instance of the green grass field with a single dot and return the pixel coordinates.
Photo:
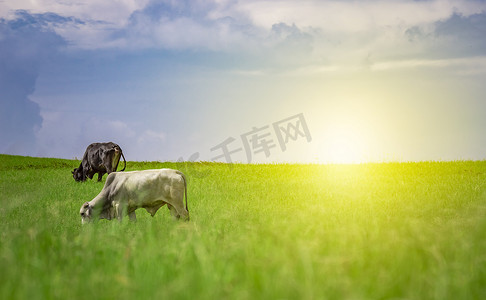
(369, 231)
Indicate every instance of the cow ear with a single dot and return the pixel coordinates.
(86, 204)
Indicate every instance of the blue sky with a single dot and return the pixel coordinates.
(168, 80)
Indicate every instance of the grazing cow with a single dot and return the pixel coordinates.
(99, 158)
(124, 192)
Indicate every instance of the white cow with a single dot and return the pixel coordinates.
(124, 192)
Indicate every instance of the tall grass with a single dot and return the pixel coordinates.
(371, 231)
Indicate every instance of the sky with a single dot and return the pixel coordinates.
(245, 81)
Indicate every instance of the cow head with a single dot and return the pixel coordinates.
(86, 213)
(78, 174)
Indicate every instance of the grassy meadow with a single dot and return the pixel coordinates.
(368, 231)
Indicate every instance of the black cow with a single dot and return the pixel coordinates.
(99, 158)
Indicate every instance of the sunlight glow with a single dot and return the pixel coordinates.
(345, 136)
(345, 145)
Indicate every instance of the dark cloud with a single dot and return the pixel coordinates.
(25, 43)
(291, 45)
(292, 37)
(467, 34)
(157, 10)
(25, 20)
(166, 11)
(184, 25)
(456, 36)
(414, 34)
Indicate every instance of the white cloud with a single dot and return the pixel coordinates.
(100, 18)
(353, 16)
(114, 12)
(248, 26)
(462, 66)
(305, 36)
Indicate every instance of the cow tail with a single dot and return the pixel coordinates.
(124, 162)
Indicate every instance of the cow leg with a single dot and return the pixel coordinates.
(100, 174)
(121, 210)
